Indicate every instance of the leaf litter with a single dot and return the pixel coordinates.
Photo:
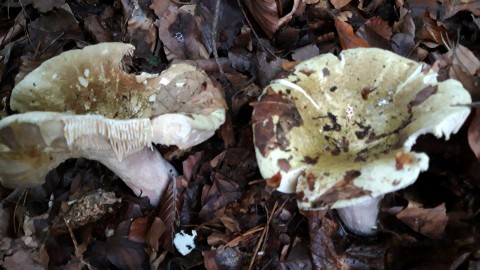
(241, 221)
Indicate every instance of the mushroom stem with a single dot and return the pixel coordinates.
(146, 172)
(361, 218)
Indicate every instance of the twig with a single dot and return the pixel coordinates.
(23, 198)
(78, 253)
(263, 236)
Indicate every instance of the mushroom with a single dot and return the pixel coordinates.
(83, 104)
(338, 131)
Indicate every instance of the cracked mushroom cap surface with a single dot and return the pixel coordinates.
(339, 130)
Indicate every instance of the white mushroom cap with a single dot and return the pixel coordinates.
(106, 114)
(348, 124)
(184, 105)
(92, 80)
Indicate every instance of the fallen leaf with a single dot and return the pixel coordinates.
(347, 38)
(322, 249)
(474, 134)
(43, 5)
(180, 34)
(418, 7)
(338, 4)
(171, 204)
(223, 258)
(159, 7)
(433, 30)
(452, 7)
(461, 64)
(140, 29)
(380, 26)
(305, 52)
(430, 222)
(270, 15)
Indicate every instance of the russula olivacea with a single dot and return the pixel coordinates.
(83, 104)
(338, 131)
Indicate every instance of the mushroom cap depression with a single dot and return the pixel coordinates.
(339, 130)
(182, 101)
(83, 103)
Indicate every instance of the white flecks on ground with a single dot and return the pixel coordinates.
(184, 242)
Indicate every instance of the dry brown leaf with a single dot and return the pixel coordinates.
(461, 64)
(123, 253)
(433, 30)
(303, 53)
(230, 224)
(405, 23)
(180, 35)
(373, 38)
(155, 233)
(269, 14)
(93, 24)
(267, 69)
(380, 26)
(43, 5)
(170, 205)
(452, 7)
(140, 29)
(474, 134)
(139, 229)
(159, 7)
(216, 239)
(26, 259)
(430, 222)
(322, 249)
(417, 7)
(223, 258)
(340, 3)
(347, 38)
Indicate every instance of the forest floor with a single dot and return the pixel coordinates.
(239, 220)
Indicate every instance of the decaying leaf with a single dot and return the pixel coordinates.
(180, 34)
(474, 134)
(380, 26)
(339, 3)
(140, 29)
(434, 31)
(44, 5)
(429, 222)
(223, 258)
(461, 64)
(169, 213)
(270, 14)
(22, 257)
(348, 40)
(452, 7)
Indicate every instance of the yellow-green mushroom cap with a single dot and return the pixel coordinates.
(339, 130)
